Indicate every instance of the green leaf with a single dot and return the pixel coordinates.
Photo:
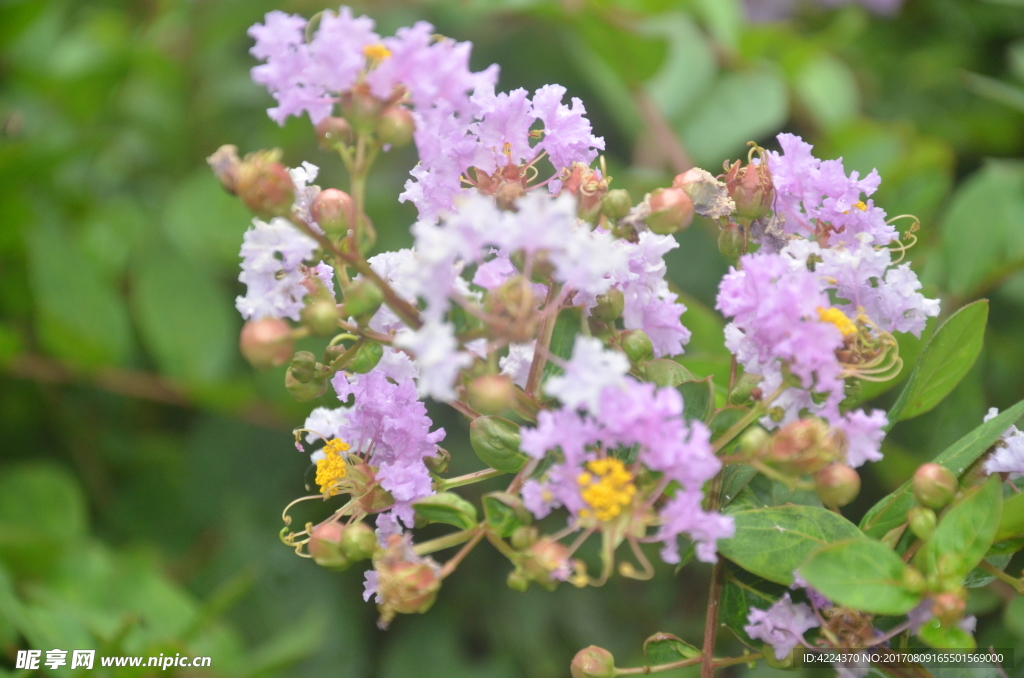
(698, 399)
(863, 574)
(665, 372)
(632, 56)
(185, 318)
(504, 513)
(662, 648)
(203, 221)
(891, 511)
(563, 338)
(978, 577)
(79, 318)
(946, 359)
(689, 67)
(496, 442)
(966, 531)
(1012, 523)
(724, 19)
(763, 492)
(828, 88)
(942, 637)
(735, 478)
(773, 542)
(740, 592)
(448, 508)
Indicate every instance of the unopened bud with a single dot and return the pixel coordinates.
(922, 522)
(755, 442)
(225, 163)
(948, 608)
(362, 298)
(491, 393)
(361, 108)
(366, 358)
(332, 132)
(772, 659)
(616, 204)
(805, 446)
(837, 485)
(609, 306)
(589, 187)
(671, 210)
(512, 310)
(304, 391)
(320, 315)
(372, 497)
(524, 537)
(264, 185)
(934, 486)
(593, 662)
(709, 195)
(412, 587)
(325, 545)
(547, 562)
(517, 581)
(395, 126)
(358, 542)
(303, 366)
(266, 343)
(496, 442)
(731, 242)
(508, 195)
(332, 210)
(913, 580)
(439, 462)
(637, 346)
(746, 388)
(751, 189)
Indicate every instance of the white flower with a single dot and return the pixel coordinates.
(437, 355)
(588, 372)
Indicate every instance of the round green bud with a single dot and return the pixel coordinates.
(731, 242)
(320, 315)
(332, 132)
(609, 306)
(395, 126)
(637, 346)
(491, 393)
(366, 358)
(755, 442)
(358, 541)
(616, 204)
(524, 536)
(496, 442)
(304, 391)
(922, 522)
(439, 462)
(266, 343)
(913, 580)
(837, 485)
(517, 581)
(593, 662)
(671, 210)
(362, 298)
(934, 486)
(772, 660)
(303, 366)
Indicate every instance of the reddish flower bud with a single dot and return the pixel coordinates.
(671, 210)
(751, 188)
(922, 522)
(547, 563)
(332, 132)
(332, 210)
(395, 126)
(949, 608)
(264, 185)
(225, 163)
(361, 108)
(593, 662)
(325, 546)
(406, 583)
(491, 393)
(934, 486)
(837, 485)
(266, 343)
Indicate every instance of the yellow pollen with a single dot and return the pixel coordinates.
(376, 51)
(606, 489)
(507, 149)
(839, 319)
(331, 468)
(861, 206)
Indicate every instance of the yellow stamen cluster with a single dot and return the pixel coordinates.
(861, 205)
(839, 319)
(331, 468)
(606, 488)
(376, 51)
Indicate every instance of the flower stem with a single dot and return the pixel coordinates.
(682, 663)
(540, 353)
(454, 561)
(445, 542)
(1017, 584)
(468, 479)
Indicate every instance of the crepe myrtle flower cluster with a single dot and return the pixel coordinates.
(535, 301)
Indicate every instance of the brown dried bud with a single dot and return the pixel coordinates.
(332, 210)
(671, 210)
(395, 126)
(805, 446)
(224, 163)
(709, 195)
(837, 485)
(332, 132)
(593, 662)
(264, 185)
(507, 195)
(266, 343)
(935, 486)
(491, 393)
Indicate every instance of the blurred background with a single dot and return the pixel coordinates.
(143, 465)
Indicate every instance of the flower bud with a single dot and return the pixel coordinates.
(517, 581)
(751, 189)
(589, 187)
(512, 310)
(837, 485)
(934, 486)
(524, 537)
(439, 462)
(491, 393)
(609, 306)
(709, 195)
(362, 298)
(773, 661)
(913, 580)
(922, 522)
(264, 185)
(325, 545)
(332, 210)
(671, 210)
(266, 343)
(746, 388)
(805, 446)
(593, 662)
(395, 126)
(366, 358)
(320, 315)
(755, 442)
(225, 163)
(948, 608)
(616, 204)
(547, 562)
(361, 108)
(406, 583)
(303, 366)
(508, 195)
(731, 242)
(496, 442)
(304, 391)
(332, 132)
(637, 346)
(358, 542)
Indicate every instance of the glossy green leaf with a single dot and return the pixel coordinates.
(946, 637)
(891, 511)
(634, 57)
(860, 573)
(1012, 523)
(698, 399)
(828, 88)
(448, 508)
(946, 359)
(504, 513)
(773, 542)
(662, 648)
(185, 319)
(496, 442)
(966, 531)
(665, 372)
(763, 492)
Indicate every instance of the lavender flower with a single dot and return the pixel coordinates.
(272, 255)
(782, 626)
(1009, 454)
(588, 372)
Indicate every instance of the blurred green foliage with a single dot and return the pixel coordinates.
(144, 465)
